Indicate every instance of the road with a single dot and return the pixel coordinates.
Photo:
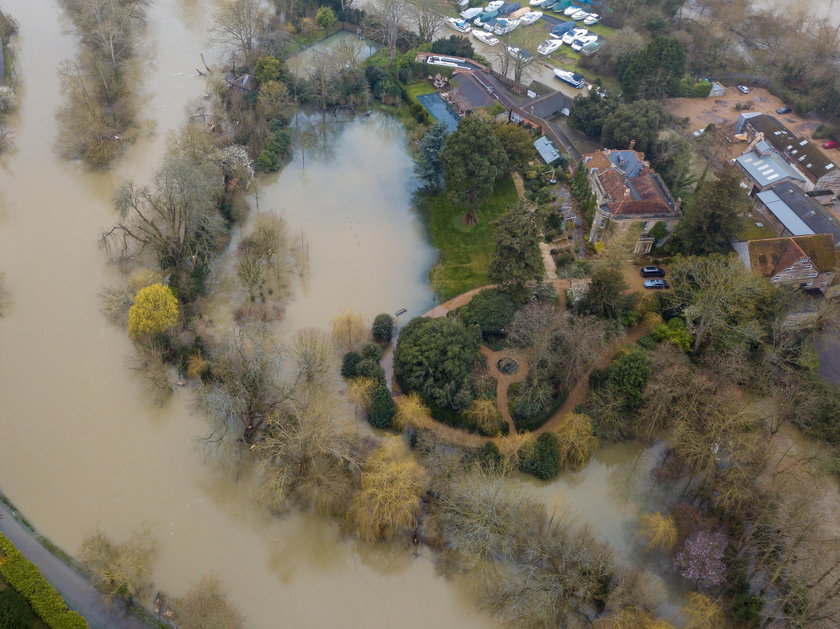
(75, 588)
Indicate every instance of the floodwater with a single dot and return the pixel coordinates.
(82, 446)
(820, 9)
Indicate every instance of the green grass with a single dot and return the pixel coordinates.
(418, 89)
(750, 231)
(465, 250)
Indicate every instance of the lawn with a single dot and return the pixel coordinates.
(465, 250)
(748, 229)
(418, 89)
(15, 611)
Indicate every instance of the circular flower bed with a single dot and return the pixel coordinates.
(507, 365)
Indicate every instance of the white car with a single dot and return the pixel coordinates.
(591, 19)
(471, 14)
(549, 46)
(579, 15)
(580, 42)
(569, 11)
(530, 17)
(574, 34)
(459, 25)
(484, 37)
(495, 5)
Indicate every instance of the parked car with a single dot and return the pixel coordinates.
(530, 17)
(699, 132)
(655, 284)
(783, 110)
(743, 89)
(484, 37)
(549, 46)
(652, 271)
(459, 25)
(830, 144)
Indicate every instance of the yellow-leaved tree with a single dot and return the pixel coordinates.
(484, 415)
(660, 530)
(389, 499)
(576, 440)
(155, 310)
(410, 412)
(702, 612)
(632, 618)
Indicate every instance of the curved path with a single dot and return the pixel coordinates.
(578, 393)
(77, 591)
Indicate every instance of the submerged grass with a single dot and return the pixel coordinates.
(465, 250)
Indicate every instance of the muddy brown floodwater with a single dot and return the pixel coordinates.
(81, 444)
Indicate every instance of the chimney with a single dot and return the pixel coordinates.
(632, 144)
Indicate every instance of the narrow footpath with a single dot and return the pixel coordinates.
(80, 595)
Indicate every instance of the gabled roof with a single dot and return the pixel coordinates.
(771, 256)
(547, 150)
(547, 106)
(800, 215)
(629, 162)
(798, 151)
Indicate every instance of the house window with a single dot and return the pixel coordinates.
(813, 274)
(776, 278)
(601, 223)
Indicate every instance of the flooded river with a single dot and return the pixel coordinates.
(83, 446)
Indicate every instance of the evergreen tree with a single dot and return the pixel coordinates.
(710, 220)
(517, 258)
(604, 298)
(589, 113)
(472, 161)
(517, 143)
(640, 121)
(429, 167)
(382, 407)
(654, 72)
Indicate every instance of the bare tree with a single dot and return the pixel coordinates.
(120, 570)
(239, 24)
(349, 331)
(388, 20)
(205, 606)
(426, 19)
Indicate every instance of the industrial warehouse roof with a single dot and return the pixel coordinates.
(800, 215)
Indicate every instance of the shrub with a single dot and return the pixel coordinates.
(647, 341)
(491, 310)
(370, 368)
(382, 329)
(489, 457)
(382, 407)
(675, 332)
(371, 351)
(44, 599)
(267, 161)
(325, 17)
(541, 457)
(349, 365)
(629, 374)
(155, 310)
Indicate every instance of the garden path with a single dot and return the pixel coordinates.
(503, 380)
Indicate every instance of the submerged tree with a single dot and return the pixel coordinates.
(155, 310)
(121, 570)
(205, 606)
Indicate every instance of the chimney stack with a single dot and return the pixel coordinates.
(632, 144)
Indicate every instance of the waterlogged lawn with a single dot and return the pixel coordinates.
(465, 250)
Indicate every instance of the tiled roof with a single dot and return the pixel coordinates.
(639, 207)
(770, 256)
(613, 183)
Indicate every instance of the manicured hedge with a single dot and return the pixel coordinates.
(24, 576)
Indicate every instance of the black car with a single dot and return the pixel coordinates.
(783, 110)
(652, 271)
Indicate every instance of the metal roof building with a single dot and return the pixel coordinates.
(796, 213)
(766, 168)
(547, 150)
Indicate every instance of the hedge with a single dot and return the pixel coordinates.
(24, 576)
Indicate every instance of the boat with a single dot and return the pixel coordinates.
(549, 46)
(520, 54)
(459, 25)
(539, 3)
(484, 37)
(471, 14)
(573, 79)
(571, 11)
(592, 19)
(485, 17)
(579, 15)
(530, 17)
(561, 29)
(574, 34)
(494, 6)
(503, 26)
(580, 42)
(439, 60)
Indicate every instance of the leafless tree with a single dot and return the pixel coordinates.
(389, 18)
(426, 19)
(120, 570)
(239, 24)
(205, 606)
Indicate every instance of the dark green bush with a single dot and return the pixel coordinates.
(382, 329)
(491, 310)
(647, 341)
(543, 458)
(44, 599)
(382, 407)
(371, 351)
(370, 368)
(349, 365)
(490, 457)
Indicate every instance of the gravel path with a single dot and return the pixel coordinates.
(75, 588)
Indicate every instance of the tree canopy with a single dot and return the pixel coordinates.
(429, 166)
(589, 112)
(654, 72)
(710, 220)
(155, 310)
(517, 258)
(517, 143)
(472, 160)
(640, 121)
(435, 358)
(604, 297)
(491, 310)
